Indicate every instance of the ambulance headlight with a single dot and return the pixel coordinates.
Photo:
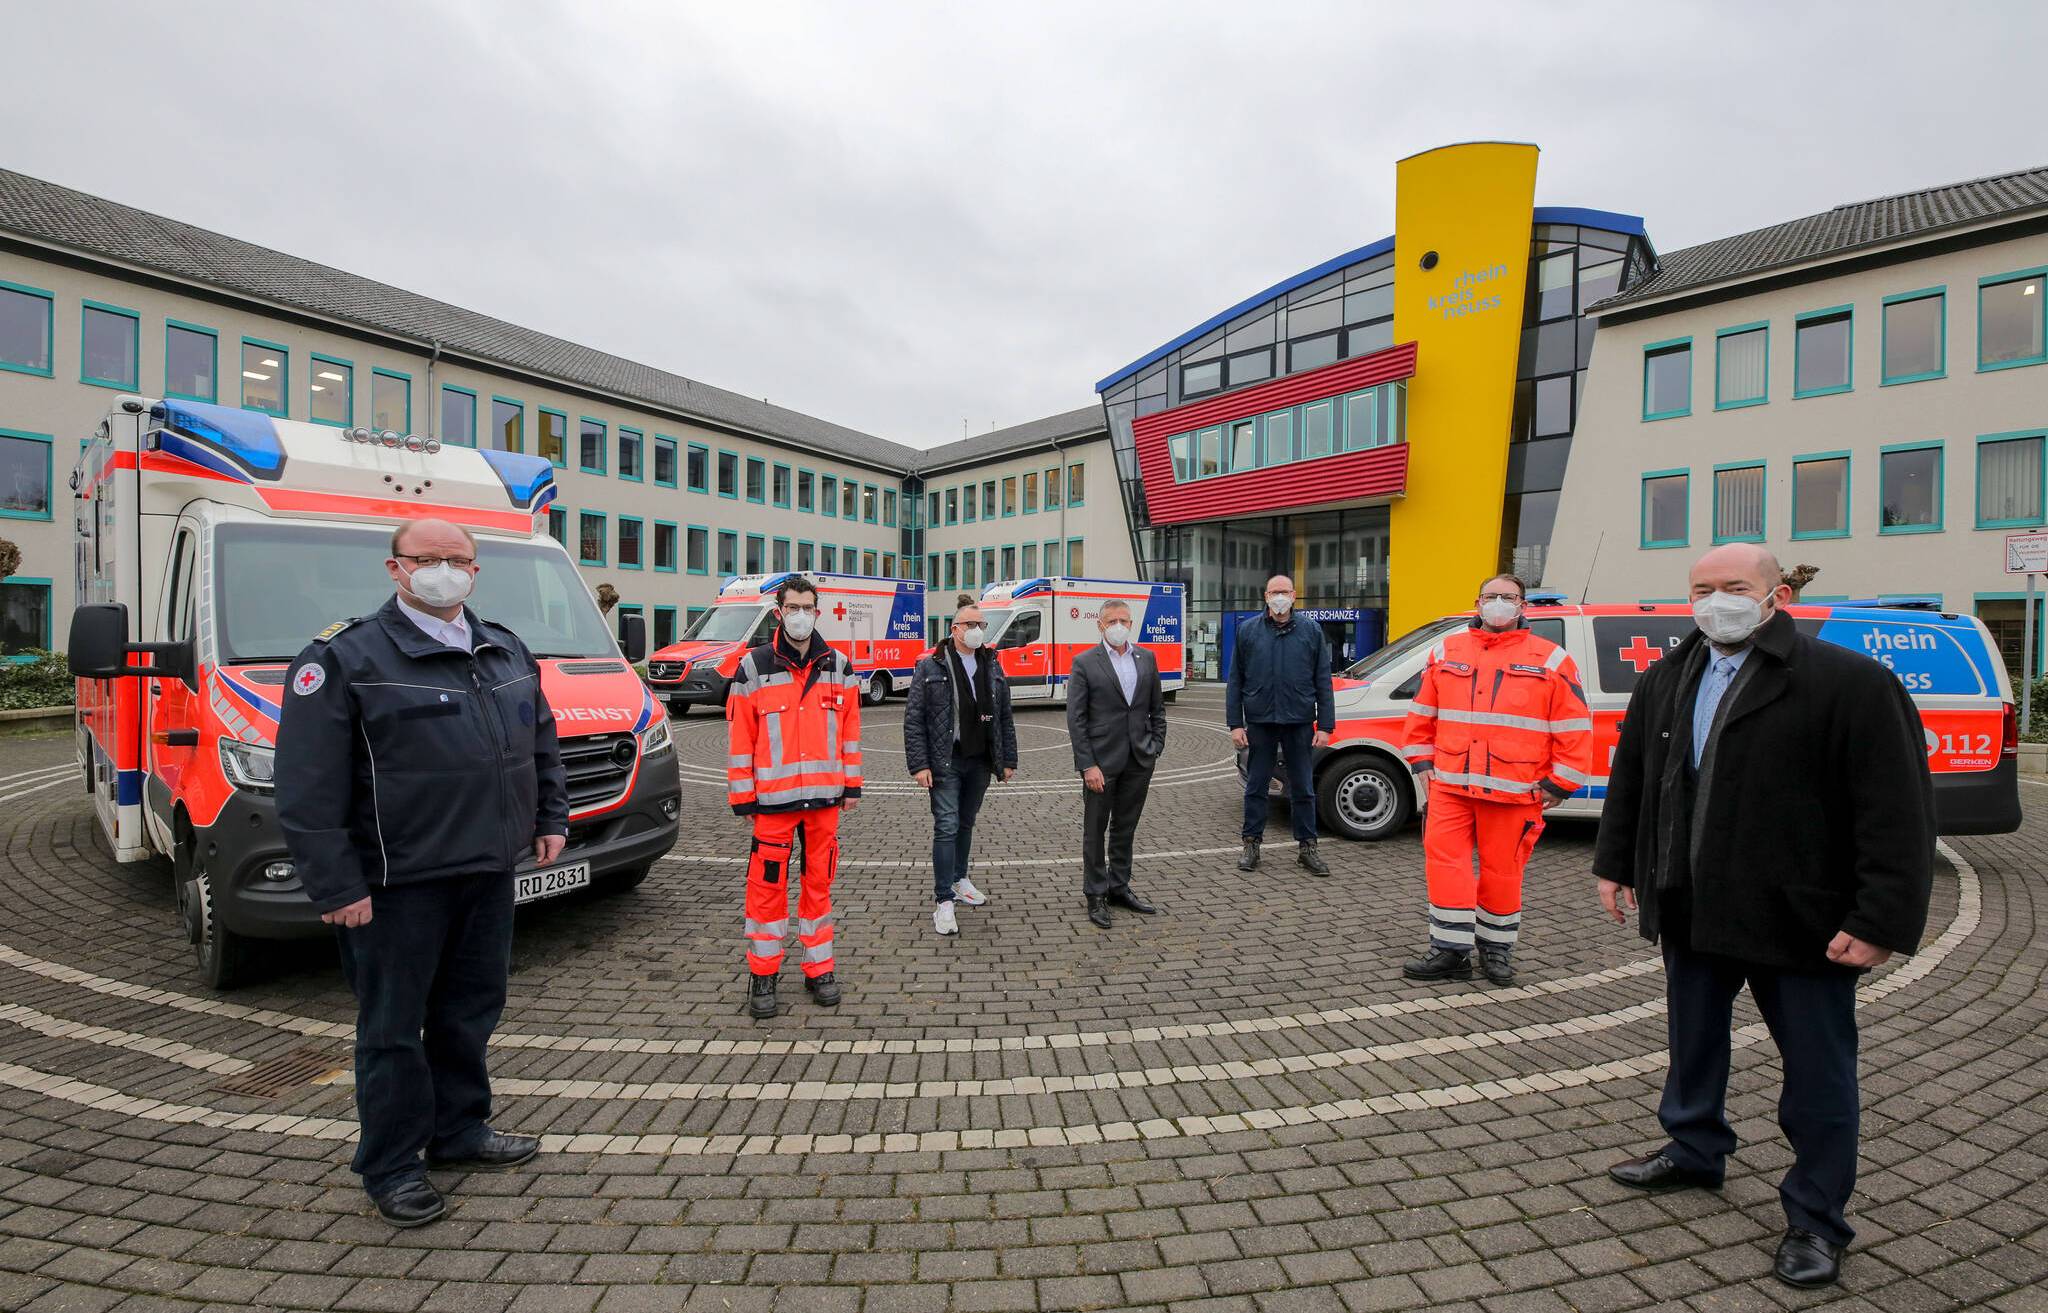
(250, 766)
(657, 739)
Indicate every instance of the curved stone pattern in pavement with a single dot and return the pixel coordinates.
(1235, 1106)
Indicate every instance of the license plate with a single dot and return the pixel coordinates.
(546, 884)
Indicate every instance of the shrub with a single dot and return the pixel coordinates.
(42, 681)
(2038, 731)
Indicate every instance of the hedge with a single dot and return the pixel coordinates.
(42, 681)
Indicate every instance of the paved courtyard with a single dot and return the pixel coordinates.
(1237, 1106)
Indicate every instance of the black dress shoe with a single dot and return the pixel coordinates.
(1498, 965)
(1805, 1260)
(1126, 899)
(415, 1203)
(824, 990)
(1098, 910)
(761, 1003)
(1250, 860)
(1440, 964)
(1657, 1172)
(1312, 859)
(494, 1150)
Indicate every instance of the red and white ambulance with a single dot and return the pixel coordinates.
(1948, 663)
(877, 622)
(1038, 626)
(213, 544)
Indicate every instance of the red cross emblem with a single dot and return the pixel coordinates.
(1640, 654)
(839, 611)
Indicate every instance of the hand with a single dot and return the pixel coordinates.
(1847, 950)
(1550, 799)
(547, 847)
(1615, 897)
(1240, 738)
(1009, 773)
(1322, 738)
(348, 918)
(1092, 777)
(1422, 776)
(923, 778)
(848, 804)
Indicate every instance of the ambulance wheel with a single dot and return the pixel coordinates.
(679, 709)
(1364, 797)
(223, 954)
(1174, 696)
(618, 882)
(878, 688)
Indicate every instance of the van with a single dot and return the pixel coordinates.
(1036, 627)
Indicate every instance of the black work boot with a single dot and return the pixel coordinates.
(761, 1002)
(824, 990)
(1312, 859)
(1440, 964)
(1497, 964)
(1250, 860)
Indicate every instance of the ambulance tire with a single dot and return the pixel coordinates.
(224, 956)
(678, 709)
(1173, 696)
(879, 688)
(1365, 796)
(619, 882)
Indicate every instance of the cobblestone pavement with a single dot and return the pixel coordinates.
(1235, 1106)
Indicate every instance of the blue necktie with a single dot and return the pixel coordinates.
(1719, 676)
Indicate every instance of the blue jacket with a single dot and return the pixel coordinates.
(1280, 675)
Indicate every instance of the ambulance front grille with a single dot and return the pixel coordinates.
(598, 766)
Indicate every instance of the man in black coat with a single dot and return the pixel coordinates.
(1770, 812)
(1280, 702)
(1116, 717)
(959, 735)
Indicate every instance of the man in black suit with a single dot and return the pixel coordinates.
(1116, 716)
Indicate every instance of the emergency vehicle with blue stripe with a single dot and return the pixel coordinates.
(877, 622)
(213, 544)
(1037, 627)
(1949, 664)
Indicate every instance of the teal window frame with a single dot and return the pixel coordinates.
(1007, 491)
(675, 462)
(1081, 465)
(561, 415)
(970, 503)
(134, 319)
(778, 467)
(828, 566)
(788, 547)
(2040, 625)
(1884, 334)
(49, 300)
(1848, 312)
(1993, 280)
(516, 404)
(1669, 346)
(747, 553)
(49, 512)
(849, 559)
(1848, 495)
(690, 615)
(284, 384)
(1058, 474)
(806, 478)
(890, 496)
(558, 524)
(654, 547)
(1987, 439)
(318, 359)
(870, 503)
(636, 520)
(709, 559)
(49, 612)
(1737, 330)
(952, 506)
(828, 496)
(738, 475)
(639, 474)
(604, 442)
(212, 398)
(806, 556)
(1940, 488)
(674, 627)
(405, 378)
(719, 541)
(603, 538)
(1267, 456)
(754, 464)
(1763, 516)
(1643, 538)
(446, 388)
(709, 473)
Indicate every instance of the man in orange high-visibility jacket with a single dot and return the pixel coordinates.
(793, 762)
(1500, 732)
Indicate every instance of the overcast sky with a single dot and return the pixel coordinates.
(910, 217)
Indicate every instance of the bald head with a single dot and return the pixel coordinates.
(432, 538)
(1745, 569)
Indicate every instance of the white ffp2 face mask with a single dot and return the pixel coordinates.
(1499, 614)
(973, 636)
(798, 625)
(1118, 634)
(440, 585)
(1728, 618)
(1279, 603)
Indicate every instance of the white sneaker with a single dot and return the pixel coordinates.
(942, 920)
(965, 892)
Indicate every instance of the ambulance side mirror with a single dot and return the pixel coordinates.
(633, 638)
(98, 648)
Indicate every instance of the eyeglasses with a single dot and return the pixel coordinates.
(1500, 597)
(798, 608)
(429, 562)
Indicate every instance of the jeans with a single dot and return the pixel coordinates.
(1295, 745)
(429, 973)
(956, 795)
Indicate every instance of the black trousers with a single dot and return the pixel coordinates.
(1294, 746)
(429, 974)
(1112, 813)
(1812, 1018)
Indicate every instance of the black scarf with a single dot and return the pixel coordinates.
(977, 718)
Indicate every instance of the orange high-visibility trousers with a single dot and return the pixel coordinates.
(768, 889)
(1487, 906)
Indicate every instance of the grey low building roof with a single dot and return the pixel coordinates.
(1838, 232)
(1085, 422)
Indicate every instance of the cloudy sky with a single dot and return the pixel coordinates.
(910, 217)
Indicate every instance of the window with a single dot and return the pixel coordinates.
(691, 614)
(554, 437)
(1739, 503)
(806, 490)
(1665, 511)
(664, 547)
(1742, 366)
(1251, 366)
(1182, 445)
(1362, 420)
(332, 392)
(590, 529)
(967, 569)
(508, 424)
(664, 626)
(757, 480)
(729, 475)
(1554, 286)
(932, 511)
(1076, 483)
(458, 415)
(2012, 319)
(1244, 444)
(1667, 379)
(664, 461)
(631, 443)
(828, 496)
(1914, 336)
(24, 617)
(110, 343)
(558, 525)
(590, 445)
(806, 556)
(390, 400)
(952, 505)
(932, 570)
(1909, 488)
(191, 361)
(1050, 554)
(1821, 347)
(2009, 480)
(1029, 553)
(629, 542)
(1052, 488)
(25, 460)
(988, 565)
(1279, 426)
(849, 494)
(1010, 488)
(1031, 494)
(828, 558)
(1009, 562)
(778, 555)
(1820, 495)
(728, 552)
(1312, 352)
(1074, 566)
(988, 500)
(266, 376)
(868, 563)
(1025, 629)
(697, 468)
(870, 503)
(757, 553)
(1315, 429)
(26, 318)
(952, 569)
(889, 566)
(1197, 379)
(778, 486)
(697, 549)
(889, 507)
(969, 504)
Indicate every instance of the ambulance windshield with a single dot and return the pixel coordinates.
(282, 583)
(1375, 662)
(728, 624)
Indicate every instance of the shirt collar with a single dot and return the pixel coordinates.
(1130, 652)
(453, 633)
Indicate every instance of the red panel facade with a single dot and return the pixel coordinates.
(1376, 472)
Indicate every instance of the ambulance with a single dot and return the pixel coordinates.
(1038, 626)
(877, 622)
(1948, 663)
(213, 544)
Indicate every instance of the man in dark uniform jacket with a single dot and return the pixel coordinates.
(416, 766)
(1770, 811)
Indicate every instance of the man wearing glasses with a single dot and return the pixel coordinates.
(793, 763)
(1500, 733)
(959, 735)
